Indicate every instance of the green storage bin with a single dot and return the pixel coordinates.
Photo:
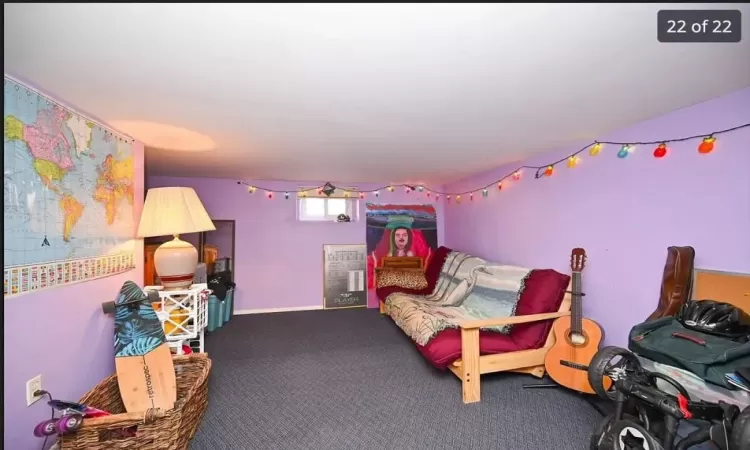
(220, 314)
(228, 305)
(213, 313)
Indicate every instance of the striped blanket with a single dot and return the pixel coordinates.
(469, 288)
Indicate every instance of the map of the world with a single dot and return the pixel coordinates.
(68, 204)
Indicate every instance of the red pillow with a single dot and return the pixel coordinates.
(432, 272)
(543, 293)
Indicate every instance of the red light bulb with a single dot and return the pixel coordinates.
(660, 151)
(707, 145)
(549, 170)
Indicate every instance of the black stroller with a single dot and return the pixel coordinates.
(647, 418)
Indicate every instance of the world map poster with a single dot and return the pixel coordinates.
(68, 205)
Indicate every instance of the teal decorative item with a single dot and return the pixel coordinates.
(213, 312)
(220, 315)
(228, 306)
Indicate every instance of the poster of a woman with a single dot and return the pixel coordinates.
(398, 231)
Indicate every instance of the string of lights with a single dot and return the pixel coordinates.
(706, 146)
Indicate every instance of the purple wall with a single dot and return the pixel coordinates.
(624, 212)
(61, 334)
(222, 238)
(279, 261)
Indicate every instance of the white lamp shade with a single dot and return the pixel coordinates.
(172, 211)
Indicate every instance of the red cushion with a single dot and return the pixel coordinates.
(431, 273)
(543, 293)
(445, 347)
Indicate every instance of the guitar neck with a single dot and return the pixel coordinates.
(576, 310)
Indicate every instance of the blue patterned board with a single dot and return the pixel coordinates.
(138, 330)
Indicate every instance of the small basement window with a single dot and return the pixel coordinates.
(317, 207)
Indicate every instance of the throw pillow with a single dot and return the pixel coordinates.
(403, 278)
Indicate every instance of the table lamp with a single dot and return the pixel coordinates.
(174, 210)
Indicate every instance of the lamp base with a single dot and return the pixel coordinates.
(175, 262)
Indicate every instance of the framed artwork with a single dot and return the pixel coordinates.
(399, 236)
(344, 276)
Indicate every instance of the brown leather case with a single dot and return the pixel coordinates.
(676, 282)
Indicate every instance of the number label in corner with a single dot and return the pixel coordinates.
(699, 25)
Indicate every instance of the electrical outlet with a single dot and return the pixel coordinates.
(33, 385)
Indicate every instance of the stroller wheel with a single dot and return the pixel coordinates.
(601, 430)
(610, 360)
(741, 431)
(629, 435)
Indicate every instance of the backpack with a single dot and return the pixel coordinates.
(220, 283)
(710, 357)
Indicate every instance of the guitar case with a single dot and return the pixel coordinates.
(676, 283)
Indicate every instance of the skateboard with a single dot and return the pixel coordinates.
(143, 361)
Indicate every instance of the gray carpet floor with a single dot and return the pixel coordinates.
(350, 379)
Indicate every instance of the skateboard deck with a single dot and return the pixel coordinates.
(145, 371)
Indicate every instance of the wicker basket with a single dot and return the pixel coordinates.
(156, 429)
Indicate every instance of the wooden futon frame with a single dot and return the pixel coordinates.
(472, 365)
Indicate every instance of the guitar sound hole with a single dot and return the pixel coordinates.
(577, 339)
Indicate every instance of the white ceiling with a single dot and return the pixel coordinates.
(363, 92)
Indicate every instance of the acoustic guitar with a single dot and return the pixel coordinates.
(577, 338)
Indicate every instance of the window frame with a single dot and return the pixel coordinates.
(352, 209)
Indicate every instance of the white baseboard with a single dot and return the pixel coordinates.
(275, 310)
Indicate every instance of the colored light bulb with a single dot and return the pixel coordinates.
(458, 199)
(251, 189)
(660, 151)
(390, 189)
(595, 149)
(428, 194)
(707, 146)
(485, 193)
(516, 175)
(361, 195)
(269, 195)
(624, 151)
(549, 171)
(437, 197)
(573, 161)
(471, 197)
